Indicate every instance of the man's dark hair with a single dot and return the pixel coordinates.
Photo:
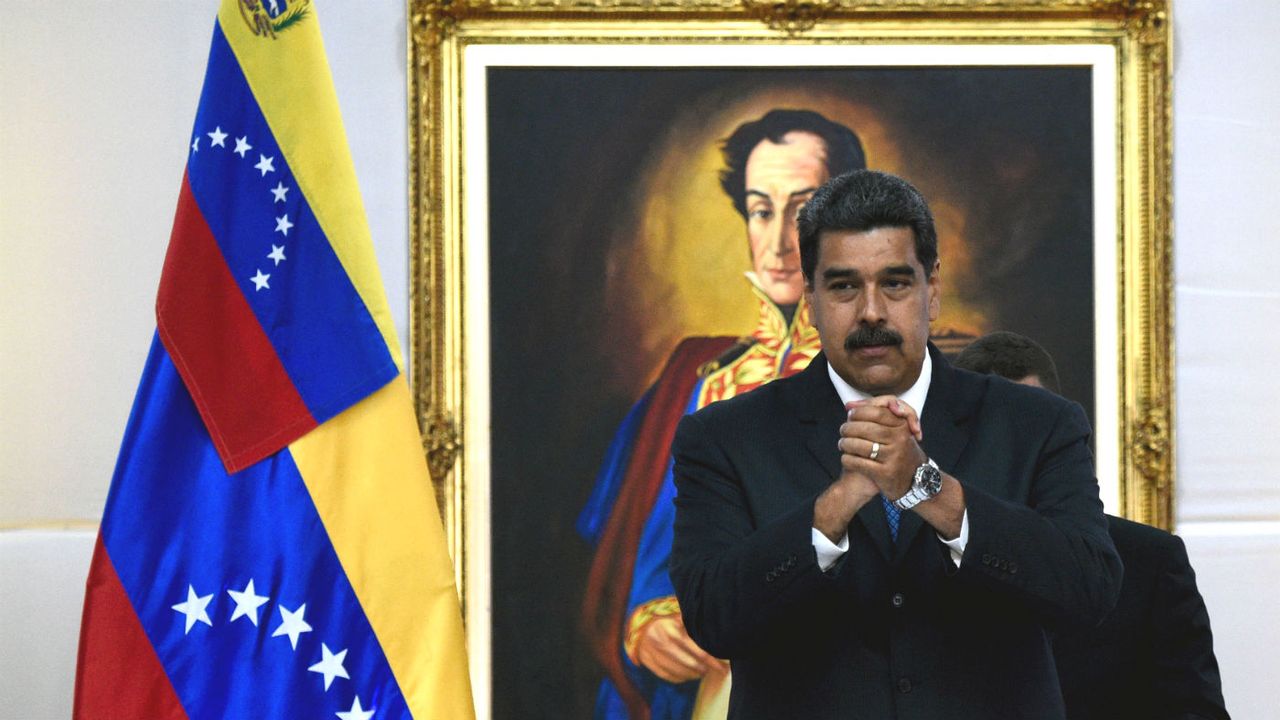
(861, 201)
(844, 150)
(1011, 356)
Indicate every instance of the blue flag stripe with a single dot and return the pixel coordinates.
(315, 319)
(176, 521)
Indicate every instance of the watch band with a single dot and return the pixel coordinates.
(912, 498)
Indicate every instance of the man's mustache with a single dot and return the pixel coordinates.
(871, 336)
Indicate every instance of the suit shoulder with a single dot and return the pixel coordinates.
(1022, 407)
(1135, 540)
(1006, 391)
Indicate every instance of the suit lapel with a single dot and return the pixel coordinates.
(946, 409)
(821, 413)
(909, 524)
(820, 438)
(876, 524)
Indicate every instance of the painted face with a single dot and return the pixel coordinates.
(872, 306)
(780, 179)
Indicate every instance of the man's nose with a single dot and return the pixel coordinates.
(872, 311)
(789, 236)
(783, 237)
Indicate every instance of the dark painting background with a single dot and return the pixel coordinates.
(1011, 147)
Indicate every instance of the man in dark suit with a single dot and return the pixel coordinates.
(883, 536)
(1152, 658)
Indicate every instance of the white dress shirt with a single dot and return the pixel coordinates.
(829, 552)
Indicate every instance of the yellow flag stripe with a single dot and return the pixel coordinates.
(289, 76)
(368, 478)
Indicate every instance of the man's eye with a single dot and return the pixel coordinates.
(760, 214)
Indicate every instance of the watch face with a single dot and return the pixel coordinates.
(930, 480)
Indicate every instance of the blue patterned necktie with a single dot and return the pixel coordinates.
(892, 514)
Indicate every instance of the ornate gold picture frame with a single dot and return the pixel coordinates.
(462, 55)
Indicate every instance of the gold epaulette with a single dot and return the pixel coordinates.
(740, 346)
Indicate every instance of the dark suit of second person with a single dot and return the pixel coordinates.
(1152, 659)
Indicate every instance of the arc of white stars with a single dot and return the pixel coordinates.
(292, 624)
(260, 281)
(279, 191)
(330, 665)
(242, 146)
(247, 603)
(283, 225)
(196, 608)
(356, 712)
(277, 253)
(266, 164)
(217, 138)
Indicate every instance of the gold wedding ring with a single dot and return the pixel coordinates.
(875, 450)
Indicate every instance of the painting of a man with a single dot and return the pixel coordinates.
(653, 669)
(614, 262)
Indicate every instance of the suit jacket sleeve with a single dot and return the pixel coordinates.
(1047, 548)
(733, 579)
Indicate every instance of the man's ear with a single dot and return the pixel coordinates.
(935, 291)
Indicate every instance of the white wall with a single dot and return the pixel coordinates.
(96, 102)
(1226, 171)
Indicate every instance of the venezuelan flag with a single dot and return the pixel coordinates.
(271, 545)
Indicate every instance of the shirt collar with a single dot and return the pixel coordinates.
(914, 396)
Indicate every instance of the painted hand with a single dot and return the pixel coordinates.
(665, 648)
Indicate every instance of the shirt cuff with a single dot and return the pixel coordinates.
(829, 552)
(956, 546)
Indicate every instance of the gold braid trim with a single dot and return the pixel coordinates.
(662, 607)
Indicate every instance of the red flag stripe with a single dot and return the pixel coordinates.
(118, 675)
(197, 287)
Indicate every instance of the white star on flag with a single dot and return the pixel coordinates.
(247, 603)
(356, 712)
(330, 666)
(277, 253)
(283, 225)
(242, 146)
(217, 138)
(260, 281)
(279, 190)
(195, 145)
(195, 608)
(292, 624)
(266, 164)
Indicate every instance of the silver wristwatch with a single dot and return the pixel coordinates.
(925, 485)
